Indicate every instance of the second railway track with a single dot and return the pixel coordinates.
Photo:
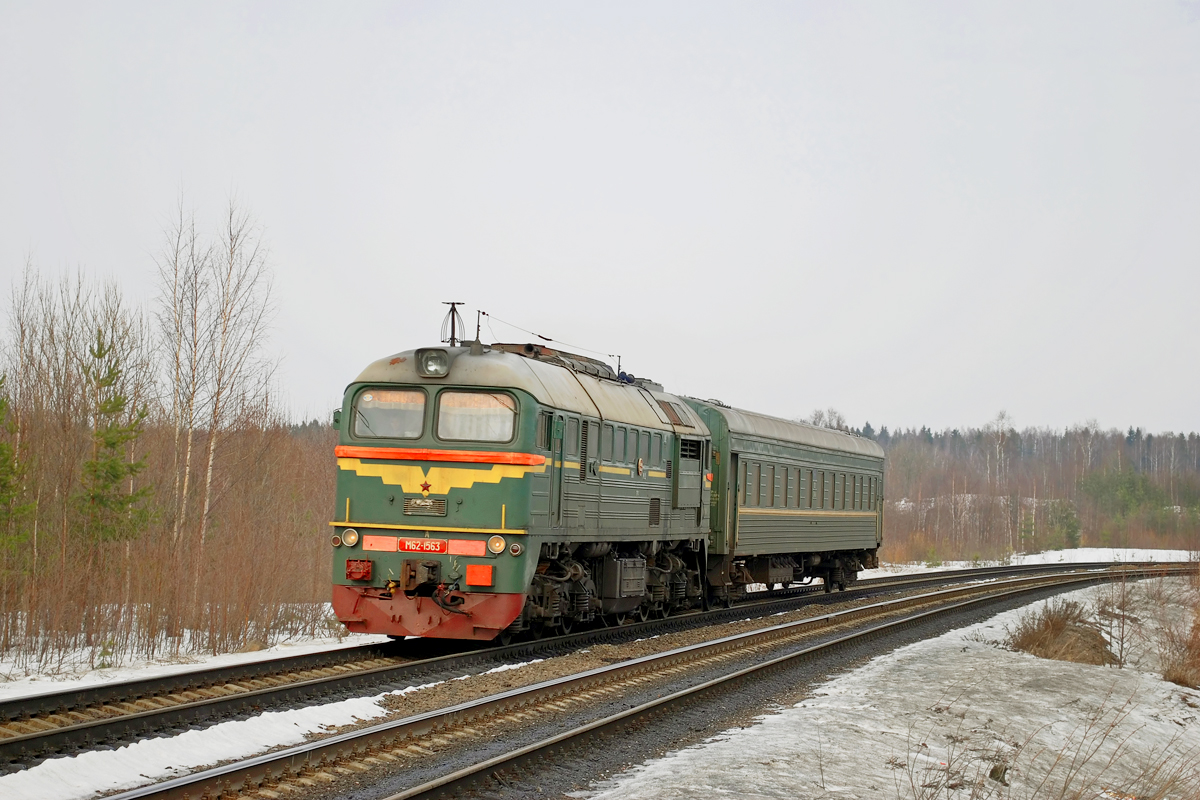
(473, 723)
(41, 726)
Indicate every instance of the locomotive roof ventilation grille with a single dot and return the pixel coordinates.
(676, 414)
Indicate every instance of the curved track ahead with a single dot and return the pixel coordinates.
(39, 726)
(359, 750)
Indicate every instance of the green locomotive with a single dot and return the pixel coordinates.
(486, 491)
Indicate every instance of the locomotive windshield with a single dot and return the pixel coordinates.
(476, 416)
(389, 414)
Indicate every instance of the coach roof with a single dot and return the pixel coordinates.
(750, 423)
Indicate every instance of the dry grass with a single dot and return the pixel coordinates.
(1180, 655)
(1096, 761)
(1062, 630)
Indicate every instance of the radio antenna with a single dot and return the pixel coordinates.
(452, 323)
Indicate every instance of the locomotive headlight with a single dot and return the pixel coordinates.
(433, 363)
(335, 540)
(350, 537)
(496, 544)
(516, 549)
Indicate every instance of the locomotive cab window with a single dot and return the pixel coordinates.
(389, 414)
(476, 416)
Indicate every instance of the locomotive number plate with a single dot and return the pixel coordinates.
(423, 546)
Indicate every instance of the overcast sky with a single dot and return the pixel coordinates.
(915, 213)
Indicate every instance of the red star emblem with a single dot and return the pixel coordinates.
(425, 486)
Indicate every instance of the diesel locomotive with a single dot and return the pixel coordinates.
(486, 491)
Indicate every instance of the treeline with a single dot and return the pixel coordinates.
(984, 493)
(154, 498)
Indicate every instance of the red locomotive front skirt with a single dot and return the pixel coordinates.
(481, 615)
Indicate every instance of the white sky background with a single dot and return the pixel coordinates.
(916, 213)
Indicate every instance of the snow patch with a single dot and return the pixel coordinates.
(926, 712)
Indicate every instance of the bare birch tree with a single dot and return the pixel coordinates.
(240, 297)
(183, 279)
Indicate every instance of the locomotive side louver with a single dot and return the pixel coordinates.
(668, 469)
(583, 454)
(655, 511)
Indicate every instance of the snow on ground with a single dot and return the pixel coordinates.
(916, 721)
(91, 773)
(896, 687)
(1077, 555)
(39, 684)
(126, 767)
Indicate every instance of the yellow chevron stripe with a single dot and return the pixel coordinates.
(409, 477)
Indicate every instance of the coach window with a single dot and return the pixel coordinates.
(389, 414)
(755, 485)
(802, 483)
(476, 416)
(742, 484)
(769, 494)
(858, 487)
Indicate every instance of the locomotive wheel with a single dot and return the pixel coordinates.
(566, 625)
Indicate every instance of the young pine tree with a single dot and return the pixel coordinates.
(110, 508)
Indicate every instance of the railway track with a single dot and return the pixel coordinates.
(39, 726)
(473, 724)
